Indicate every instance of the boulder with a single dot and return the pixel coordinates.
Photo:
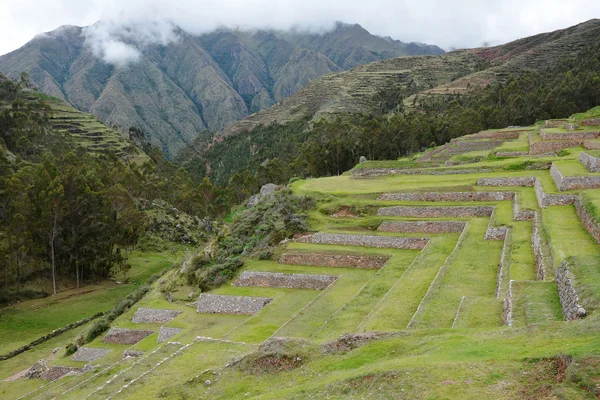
(268, 189)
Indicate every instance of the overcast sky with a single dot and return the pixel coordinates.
(449, 24)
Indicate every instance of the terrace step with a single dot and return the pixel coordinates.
(286, 281)
(535, 302)
(333, 260)
(393, 242)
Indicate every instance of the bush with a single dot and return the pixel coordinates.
(99, 327)
(254, 232)
(70, 348)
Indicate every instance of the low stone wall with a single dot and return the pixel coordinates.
(552, 147)
(448, 196)
(549, 123)
(422, 226)
(154, 315)
(587, 219)
(511, 153)
(333, 260)
(569, 300)
(436, 212)
(165, 333)
(508, 181)
(590, 122)
(125, 336)
(592, 144)
(49, 336)
(392, 242)
(564, 183)
(495, 233)
(538, 251)
(571, 126)
(590, 162)
(504, 256)
(572, 135)
(547, 200)
(375, 172)
(519, 215)
(222, 304)
(508, 306)
(285, 281)
(129, 353)
(89, 354)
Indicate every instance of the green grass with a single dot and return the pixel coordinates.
(535, 303)
(478, 312)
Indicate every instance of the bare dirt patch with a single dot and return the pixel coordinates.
(344, 212)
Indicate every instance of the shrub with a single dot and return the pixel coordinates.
(99, 327)
(70, 348)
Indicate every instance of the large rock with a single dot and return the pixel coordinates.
(268, 189)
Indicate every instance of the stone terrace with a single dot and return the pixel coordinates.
(436, 212)
(89, 354)
(334, 260)
(154, 315)
(125, 336)
(422, 226)
(369, 240)
(223, 304)
(286, 281)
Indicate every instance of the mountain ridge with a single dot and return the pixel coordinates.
(195, 84)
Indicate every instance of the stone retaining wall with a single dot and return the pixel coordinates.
(422, 226)
(285, 281)
(511, 153)
(508, 306)
(393, 242)
(592, 144)
(495, 233)
(165, 333)
(564, 183)
(516, 181)
(154, 315)
(547, 200)
(375, 172)
(552, 147)
(554, 123)
(125, 336)
(222, 304)
(492, 135)
(333, 260)
(436, 212)
(448, 196)
(572, 135)
(89, 354)
(569, 300)
(538, 251)
(504, 256)
(590, 162)
(519, 215)
(590, 122)
(587, 219)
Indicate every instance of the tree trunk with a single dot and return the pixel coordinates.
(53, 234)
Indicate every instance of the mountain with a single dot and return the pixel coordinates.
(196, 84)
(390, 108)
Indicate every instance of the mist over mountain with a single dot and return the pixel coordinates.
(176, 86)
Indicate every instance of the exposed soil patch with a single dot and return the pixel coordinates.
(344, 212)
(350, 341)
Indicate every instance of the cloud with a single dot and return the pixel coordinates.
(449, 23)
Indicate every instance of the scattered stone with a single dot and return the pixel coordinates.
(287, 281)
(222, 304)
(166, 333)
(154, 315)
(89, 354)
(132, 353)
(125, 336)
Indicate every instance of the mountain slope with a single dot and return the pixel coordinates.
(195, 84)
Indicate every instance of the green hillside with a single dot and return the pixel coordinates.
(194, 85)
(468, 271)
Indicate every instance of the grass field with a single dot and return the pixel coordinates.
(427, 325)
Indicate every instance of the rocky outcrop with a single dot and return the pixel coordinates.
(569, 300)
(334, 260)
(222, 304)
(436, 211)
(285, 281)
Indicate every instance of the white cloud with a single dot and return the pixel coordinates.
(459, 23)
